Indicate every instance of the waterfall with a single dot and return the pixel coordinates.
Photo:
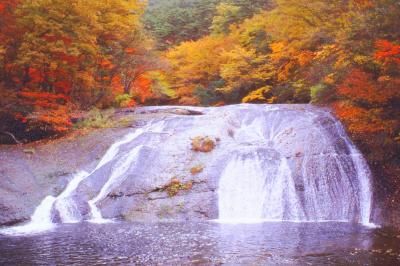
(251, 191)
(116, 178)
(319, 175)
(65, 205)
(242, 192)
(364, 176)
(271, 163)
(40, 220)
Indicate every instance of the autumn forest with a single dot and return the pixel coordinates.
(60, 59)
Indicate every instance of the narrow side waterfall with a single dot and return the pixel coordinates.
(116, 178)
(40, 220)
(65, 205)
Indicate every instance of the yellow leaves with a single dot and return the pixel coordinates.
(342, 60)
(278, 51)
(261, 95)
(330, 79)
(326, 51)
(284, 72)
(198, 61)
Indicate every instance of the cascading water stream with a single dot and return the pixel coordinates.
(116, 178)
(364, 177)
(243, 201)
(41, 220)
(65, 205)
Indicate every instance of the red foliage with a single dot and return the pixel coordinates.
(359, 86)
(49, 110)
(62, 86)
(7, 20)
(142, 86)
(53, 38)
(36, 76)
(387, 52)
(360, 120)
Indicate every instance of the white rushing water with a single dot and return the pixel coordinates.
(325, 179)
(116, 178)
(243, 202)
(65, 205)
(275, 163)
(41, 220)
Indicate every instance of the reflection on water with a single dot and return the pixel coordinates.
(204, 244)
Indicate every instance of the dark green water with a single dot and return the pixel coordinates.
(204, 244)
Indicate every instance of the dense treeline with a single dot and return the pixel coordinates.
(174, 21)
(57, 57)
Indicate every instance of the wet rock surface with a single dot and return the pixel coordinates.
(166, 153)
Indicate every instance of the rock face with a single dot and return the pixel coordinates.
(28, 173)
(152, 172)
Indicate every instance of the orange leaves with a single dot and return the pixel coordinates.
(359, 86)
(364, 3)
(116, 85)
(106, 64)
(69, 59)
(142, 87)
(130, 51)
(44, 95)
(48, 109)
(304, 58)
(387, 52)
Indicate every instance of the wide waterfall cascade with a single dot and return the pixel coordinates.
(270, 163)
(322, 177)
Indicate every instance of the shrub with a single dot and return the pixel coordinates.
(175, 186)
(320, 93)
(203, 144)
(97, 119)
